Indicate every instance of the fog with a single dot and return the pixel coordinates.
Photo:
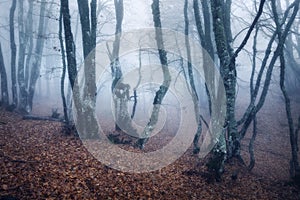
(198, 97)
(137, 15)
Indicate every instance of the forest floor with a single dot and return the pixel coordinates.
(37, 161)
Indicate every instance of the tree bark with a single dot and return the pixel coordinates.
(229, 77)
(21, 67)
(115, 63)
(13, 54)
(63, 56)
(88, 28)
(206, 42)
(252, 108)
(72, 64)
(254, 131)
(191, 80)
(4, 87)
(137, 85)
(69, 41)
(29, 35)
(295, 172)
(160, 94)
(36, 65)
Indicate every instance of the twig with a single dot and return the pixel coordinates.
(31, 117)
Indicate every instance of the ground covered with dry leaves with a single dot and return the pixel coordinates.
(37, 161)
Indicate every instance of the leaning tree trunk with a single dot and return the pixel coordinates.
(4, 88)
(160, 94)
(69, 41)
(254, 130)
(71, 61)
(13, 54)
(253, 109)
(294, 163)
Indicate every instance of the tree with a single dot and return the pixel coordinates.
(160, 94)
(191, 79)
(223, 40)
(205, 37)
(115, 64)
(63, 56)
(282, 35)
(69, 42)
(23, 39)
(277, 41)
(29, 34)
(4, 88)
(38, 53)
(88, 28)
(13, 53)
(228, 73)
(71, 64)
(254, 131)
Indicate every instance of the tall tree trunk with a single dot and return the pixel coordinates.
(254, 131)
(294, 164)
(223, 40)
(88, 25)
(70, 45)
(36, 65)
(71, 62)
(191, 78)
(13, 54)
(88, 21)
(62, 83)
(115, 63)
(4, 87)
(21, 67)
(29, 35)
(206, 42)
(160, 94)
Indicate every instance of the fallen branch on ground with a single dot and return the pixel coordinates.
(41, 118)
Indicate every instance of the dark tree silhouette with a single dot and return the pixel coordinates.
(69, 41)
(13, 53)
(63, 55)
(88, 19)
(23, 39)
(160, 94)
(4, 87)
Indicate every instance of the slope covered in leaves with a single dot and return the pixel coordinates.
(38, 162)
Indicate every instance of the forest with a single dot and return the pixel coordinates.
(160, 99)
